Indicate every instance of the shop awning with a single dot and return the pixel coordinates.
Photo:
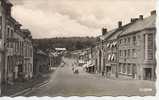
(91, 65)
(109, 57)
(112, 57)
(108, 44)
(84, 66)
(115, 43)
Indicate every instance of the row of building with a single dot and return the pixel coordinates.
(127, 51)
(20, 59)
(16, 47)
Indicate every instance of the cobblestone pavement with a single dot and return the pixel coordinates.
(65, 83)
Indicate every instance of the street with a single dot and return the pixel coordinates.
(65, 83)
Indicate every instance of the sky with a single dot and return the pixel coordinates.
(68, 18)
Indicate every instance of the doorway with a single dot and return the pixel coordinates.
(148, 73)
(20, 70)
(100, 60)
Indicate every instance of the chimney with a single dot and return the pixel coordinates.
(104, 30)
(18, 26)
(153, 12)
(9, 6)
(134, 20)
(141, 17)
(119, 24)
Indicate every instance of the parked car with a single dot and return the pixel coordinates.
(76, 71)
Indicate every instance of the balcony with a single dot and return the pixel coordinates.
(12, 40)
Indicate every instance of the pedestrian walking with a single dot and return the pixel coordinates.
(73, 69)
(103, 73)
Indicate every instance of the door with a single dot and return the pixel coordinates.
(148, 73)
(20, 70)
(100, 60)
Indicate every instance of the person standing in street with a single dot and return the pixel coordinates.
(103, 73)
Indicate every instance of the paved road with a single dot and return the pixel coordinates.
(64, 83)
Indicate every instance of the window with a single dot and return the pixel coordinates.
(120, 67)
(128, 40)
(128, 52)
(8, 32)
(11, 33)
(19, 47)
(124, 68)
(134, 52)
(124, 53)
(150, 46)
(120, 53)
(134, 69)
(125, 40)
(31, 52)
(120, 41)
(129, 69)
(134, 40)
(150, 54)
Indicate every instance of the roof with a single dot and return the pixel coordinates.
(53, 54)
(8, 2)
(137, 25)
(103, 37)
(149, 22)
(41, 52)
(118, 31)
(113, 34)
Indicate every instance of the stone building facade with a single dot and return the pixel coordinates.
(41, 62)
(13, 42)
(128, 50)
(137, 49)
(3, 13)
(19, 55)
(28, 53)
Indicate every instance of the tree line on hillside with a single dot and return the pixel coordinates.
(71, 43)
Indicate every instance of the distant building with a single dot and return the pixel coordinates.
(41, 62)
(60, 49)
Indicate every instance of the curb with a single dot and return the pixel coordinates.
(28, 90)
(40, 85)
(21, 92)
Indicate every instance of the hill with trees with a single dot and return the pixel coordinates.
(71, 43)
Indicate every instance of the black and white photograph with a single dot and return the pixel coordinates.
(78, 48)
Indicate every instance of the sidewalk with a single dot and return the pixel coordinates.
(99, 76)
(21, 86)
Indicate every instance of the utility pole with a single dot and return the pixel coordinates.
(1, 47)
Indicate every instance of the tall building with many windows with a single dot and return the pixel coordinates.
(16, 47)
(129, 50)
(137, 49)
(4, 11)
(28, 53)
